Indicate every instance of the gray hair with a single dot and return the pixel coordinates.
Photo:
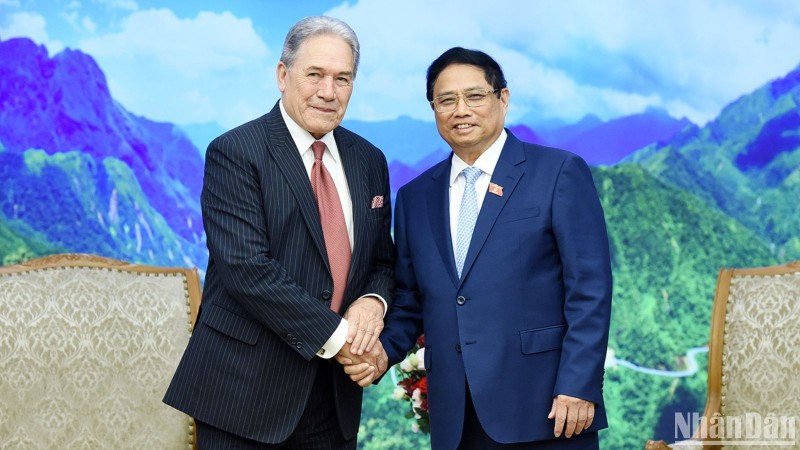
(316, 26)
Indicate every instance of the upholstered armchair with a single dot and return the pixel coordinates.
(753, 398)
(88, 346)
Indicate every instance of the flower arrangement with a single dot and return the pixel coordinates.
(413, 386)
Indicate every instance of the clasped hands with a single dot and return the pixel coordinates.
(362, 355)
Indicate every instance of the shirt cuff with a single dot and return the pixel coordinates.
(335, 342)
(385, 305)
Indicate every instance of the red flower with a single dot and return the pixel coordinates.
(414, 383)
(422, 385)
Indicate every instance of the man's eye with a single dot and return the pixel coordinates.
(446, 101)
(476, 97)
(314, 76)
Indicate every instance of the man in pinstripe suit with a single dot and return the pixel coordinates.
(258, 371)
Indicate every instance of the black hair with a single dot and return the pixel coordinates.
(458, 55)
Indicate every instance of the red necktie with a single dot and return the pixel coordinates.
(337, 241)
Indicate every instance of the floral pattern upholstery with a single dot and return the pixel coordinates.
(761, 349)
(754, 362)
(86, 354)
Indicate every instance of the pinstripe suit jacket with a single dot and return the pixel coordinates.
(250, 364)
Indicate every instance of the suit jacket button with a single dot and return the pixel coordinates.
(299, 345)
(458, 348)
(326, 295)
(461, 300)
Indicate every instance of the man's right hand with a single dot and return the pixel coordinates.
(366, 368)
(572, 415)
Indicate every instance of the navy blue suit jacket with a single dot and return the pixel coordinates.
(529, 318)
(250, 364)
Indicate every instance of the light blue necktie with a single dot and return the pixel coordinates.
(467, 215)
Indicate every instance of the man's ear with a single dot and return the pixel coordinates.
(281, 72)
(505, 96)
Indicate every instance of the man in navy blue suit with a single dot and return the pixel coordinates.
(301, 263)
(503, 263)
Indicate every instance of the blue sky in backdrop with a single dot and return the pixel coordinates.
(214, 61)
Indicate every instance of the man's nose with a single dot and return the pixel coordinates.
(326, 88)
(461, 107)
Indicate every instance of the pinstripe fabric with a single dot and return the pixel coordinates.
(317, 429)
(250, 364)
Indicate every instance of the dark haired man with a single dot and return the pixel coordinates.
(503, 263)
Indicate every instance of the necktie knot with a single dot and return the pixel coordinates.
(319, 148)
(471, 174)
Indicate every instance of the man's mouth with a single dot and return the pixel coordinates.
(324, 109)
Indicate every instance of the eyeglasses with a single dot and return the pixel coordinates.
(473, 98)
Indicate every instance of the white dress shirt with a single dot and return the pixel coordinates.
(333, 163)
(486, 162)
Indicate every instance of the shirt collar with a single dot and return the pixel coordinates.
(303, 139)
(486, 162)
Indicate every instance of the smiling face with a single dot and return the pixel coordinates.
(469, 131)
(316, 89)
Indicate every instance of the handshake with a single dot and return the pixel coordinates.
(362, 355)
(366, 367)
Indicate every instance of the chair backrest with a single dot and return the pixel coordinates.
(754, 352)
(88, 346)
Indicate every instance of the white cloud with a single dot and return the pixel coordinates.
(30, 25)
(192, 66)
(125, 5)
(88, 24)
(621, 54)
(209, 41)
(625, 103)
(562, 59)
(397, 49)
(12, 3)
(680, 109)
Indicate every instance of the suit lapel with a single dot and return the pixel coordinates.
(355, 172)
(507, 174)
(439, 215)
(287, 158)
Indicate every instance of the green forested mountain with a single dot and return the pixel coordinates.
(99, 180)
(724, 195)
(667, 247)
(18, 242)
(746, 162)
(69, 202)
(85, 173)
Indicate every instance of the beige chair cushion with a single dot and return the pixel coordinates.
(761, 348)
(754, 362)
(86, 355)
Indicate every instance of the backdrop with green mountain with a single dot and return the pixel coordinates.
(80, 173)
